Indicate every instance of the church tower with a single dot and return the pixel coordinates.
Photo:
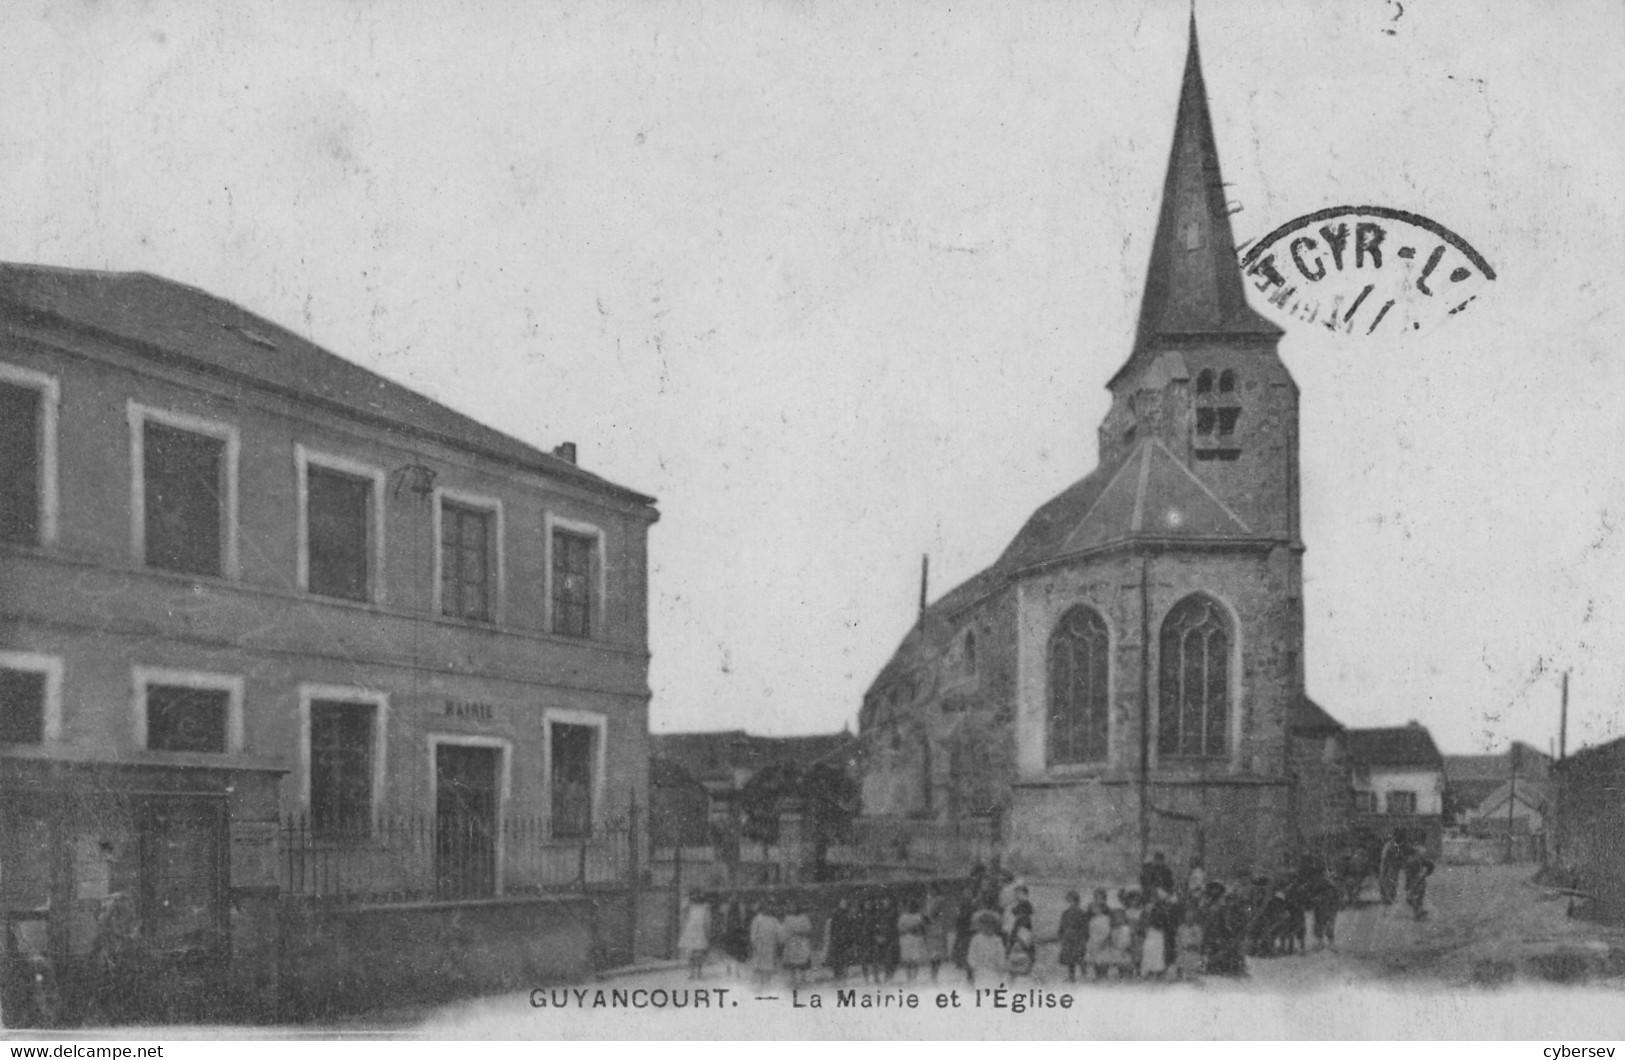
(1126, 676)
(1204, 375)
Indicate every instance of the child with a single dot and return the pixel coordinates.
(766, 936)
(1023, 950)
(1020, 919)
(986, 948)
(911, 939)
(1098, 950)
(1074, 936)
(797, 932)
(696, 936)
(1188, 965)
(1158, 927)
(1122, 945)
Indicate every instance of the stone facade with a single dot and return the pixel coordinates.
(1180, 560)
(86, 607)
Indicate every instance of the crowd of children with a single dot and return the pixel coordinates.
(1158, 931)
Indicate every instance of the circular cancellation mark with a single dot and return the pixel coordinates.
(1366, 270)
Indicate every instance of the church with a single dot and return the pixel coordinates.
(1127, 677)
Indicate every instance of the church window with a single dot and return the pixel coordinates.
(1227, 420)
(1078, 704)
(1227, 382)
(1204, 421)
(1204, 381)
(970, 651)
(1194, 680)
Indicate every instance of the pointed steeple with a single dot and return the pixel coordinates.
(1194, 286)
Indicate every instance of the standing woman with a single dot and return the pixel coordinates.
(695, 940)
(798, 948)
(766, 936)
(842, 937)
(911, 939)
(936, 931)
(736, 934)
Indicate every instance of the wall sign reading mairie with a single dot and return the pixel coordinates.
(1364, 270)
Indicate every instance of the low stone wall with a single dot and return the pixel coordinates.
(349, 959)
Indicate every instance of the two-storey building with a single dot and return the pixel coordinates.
(244, 582)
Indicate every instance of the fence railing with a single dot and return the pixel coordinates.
(426, 858)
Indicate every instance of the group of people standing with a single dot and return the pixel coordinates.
(1163, 929)
(876, 933)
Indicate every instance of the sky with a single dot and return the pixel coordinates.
(841, 283)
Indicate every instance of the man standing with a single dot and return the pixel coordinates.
(1155, 876)
(1388, 866)
(1418, 867)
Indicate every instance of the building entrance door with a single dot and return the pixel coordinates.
(182, 881)
(465, 821)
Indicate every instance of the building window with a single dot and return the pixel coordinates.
(1365, 802)
(30, 698)
(341, 530)
(970, 653)
(185, 492)
(19, 464)
(187, 719)
(1195, 680)
(186, 711)
(1402, 802)
(22, 706)
(572, 583)
(571, 758)
(465, 562)
(1078, 704)
(28, 409)
(342, 739)
(1216, 416)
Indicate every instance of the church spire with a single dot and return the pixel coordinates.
(1193, 286)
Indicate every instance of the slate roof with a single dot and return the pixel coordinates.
(1193, 285)
(174, 323)
(1311, 719)
(1405, 746)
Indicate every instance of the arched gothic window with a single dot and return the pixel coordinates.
(1227, 381)
(1204, 381)
(1078, 705)
(1195, 680)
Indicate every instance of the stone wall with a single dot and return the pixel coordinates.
(338, 960)
(1321, 801)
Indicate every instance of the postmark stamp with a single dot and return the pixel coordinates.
(1365, 270)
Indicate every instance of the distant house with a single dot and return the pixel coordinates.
(1398, 780)
(722, 763)
(1470, 779)
(1520, 806)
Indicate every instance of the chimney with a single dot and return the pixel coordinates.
(565, 451)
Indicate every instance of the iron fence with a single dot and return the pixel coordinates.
(395, 860)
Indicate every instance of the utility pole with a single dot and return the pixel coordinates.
(925, 580)
(1145, 707)
(1563, 722)
(1512, 793)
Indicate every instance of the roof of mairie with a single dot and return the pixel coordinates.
(1401, 746)
(160, 318)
